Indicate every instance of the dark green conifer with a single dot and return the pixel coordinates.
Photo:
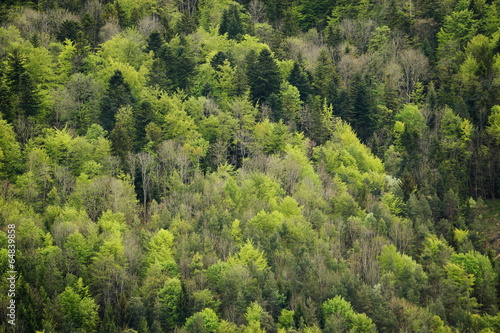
(298, 77)
(264, 76)
(117, 95)
(231, 23)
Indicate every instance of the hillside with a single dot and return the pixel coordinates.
(249, 166)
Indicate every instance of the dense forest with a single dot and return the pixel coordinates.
(250, 166)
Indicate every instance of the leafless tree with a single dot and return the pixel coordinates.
(256, 10)
(187, 7)
(415, 66)
(149, 24)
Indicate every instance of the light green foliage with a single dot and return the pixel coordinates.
(380, 39)
(205, 299)
(286, 319)
(250, 256)
(104, 68)
(78, 308)
(484, 277)
(460, 26)
(266, 223)
(125, 48)
(412, 118)
(339, 315)
(169, 301)
(493, 128)
(292, 104)
(254, 313)
(271, 137)
(65, 58)
(460, 285)
(80, 248)
(40, 64)
(10, 152)
(289, 207)
(161, 248)
(435, 251)
(409, 277)
(214, 191)
(203, 321)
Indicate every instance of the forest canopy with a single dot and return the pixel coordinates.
(250, 166)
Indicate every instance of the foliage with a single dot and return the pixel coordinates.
(250, 166)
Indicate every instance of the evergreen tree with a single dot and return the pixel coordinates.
(264, 76)
(231, 23)
(68, 30)
(325, 77)
(155, 41)
(117, 95)
(298, 77)
(173, 67)
(363, 120)
(24, 99)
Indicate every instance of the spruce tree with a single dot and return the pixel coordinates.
(173, 67)
(325, 77)
(264, 77)
(231, 23)
(155, 41)
(117, 95)
(24, 97)
(299, 78)
(363, 120)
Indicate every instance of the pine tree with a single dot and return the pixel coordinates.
(117, 95)
(68, 30)
(173, 67)
(299, 78)
(155, 41)
(264, 76)
(231, 23)
(363, 120)
(24, 99)
(325, 77)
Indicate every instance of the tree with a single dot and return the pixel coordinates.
(173, 67)
(264, 76)
(169, 297)
(25, 99)
(325, 77)
(363, 116)
(78, 308)
(300, 79)
(415, 66)
(118, 95)
(123, 135)
(10, 152)
(408, 277)
(205, 321)
(68, 30)
(231, 23)
(340, 316)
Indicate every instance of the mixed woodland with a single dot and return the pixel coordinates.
(251, 166)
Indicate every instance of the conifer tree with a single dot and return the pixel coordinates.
(117, 95)
(264, 76)
(298, 77)
(25, 101)
(363, 120)
(231, 23)
(325, 77)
